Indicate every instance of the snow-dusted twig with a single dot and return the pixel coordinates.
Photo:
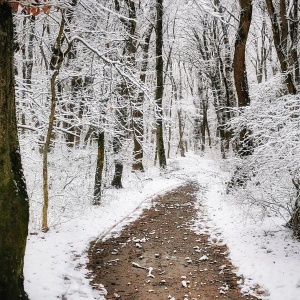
(150, 269)
(136, 265)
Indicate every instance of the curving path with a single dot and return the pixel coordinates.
(159, 257)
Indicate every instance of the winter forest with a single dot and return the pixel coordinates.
(104, 103)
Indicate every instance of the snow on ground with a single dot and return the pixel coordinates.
(264, 252)
(55, 261)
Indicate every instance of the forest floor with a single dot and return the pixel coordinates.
(159, 256)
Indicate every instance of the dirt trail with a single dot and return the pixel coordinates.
(159, 257)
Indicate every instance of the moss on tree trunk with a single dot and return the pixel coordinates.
(14, 209)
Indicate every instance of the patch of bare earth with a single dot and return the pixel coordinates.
(159, 257)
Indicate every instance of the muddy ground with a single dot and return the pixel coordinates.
(159, 257)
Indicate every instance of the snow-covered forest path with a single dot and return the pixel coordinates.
(160, 256)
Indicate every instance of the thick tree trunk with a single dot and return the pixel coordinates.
(159, 85)
(14, 208)
(239, 61)
(240, 72)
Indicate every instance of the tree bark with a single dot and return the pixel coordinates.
(137, 113)
(99, 169)
(124, 89)
(239, 61)
(14, 208)
(294, 39)
(159, 85)
(240, 72)
(180, 128)
(46, 148)
(55, 65)
(280, 33)
(27, 62)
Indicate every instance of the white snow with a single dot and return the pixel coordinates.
(55, 261)
(264, 252)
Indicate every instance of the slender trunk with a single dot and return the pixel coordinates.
(219, 111)
(296, 210)
(117, 180)
(280, 41)
(204, 123)
(227, 65)
(55, 65)
(138, 116)
(14, 212)
(27, 62)
(224, 87)
(179, 113)
(180, 127)
(74, 112)
(46, 147)
(90, 133)
(121, 113)
(125, 89)
(294, 39)
(170, 127)
(159, 85)
(99, 169)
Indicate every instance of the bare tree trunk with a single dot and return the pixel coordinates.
(223, 87)
(227, 65)
(27, 61)
(170, 128)
(125, 90)
(280, 34)
(55, 65)
(99, 169)
(240, 72)
(294, 39)
(159, 85)
(180, 119)
(296, 210)
(117, 146)
(46, 147)
(180, 128)
(239, 61)
(138, 124)
(14, 212)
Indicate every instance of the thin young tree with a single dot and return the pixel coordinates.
(55, 66)
(159, 85)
